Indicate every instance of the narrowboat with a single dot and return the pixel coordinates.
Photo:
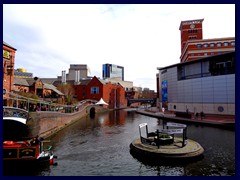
(18, 147)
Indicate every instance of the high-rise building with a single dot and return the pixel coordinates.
(193, 46)
(112, 71)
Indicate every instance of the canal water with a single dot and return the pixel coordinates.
(99, 146)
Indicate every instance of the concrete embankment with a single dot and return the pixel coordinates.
(46, 123)
(217, 121)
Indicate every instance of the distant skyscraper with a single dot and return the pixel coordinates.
(111, 70)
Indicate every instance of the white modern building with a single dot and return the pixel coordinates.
(203, 85)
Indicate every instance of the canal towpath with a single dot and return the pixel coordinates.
(209, 119)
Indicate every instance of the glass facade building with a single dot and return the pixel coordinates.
(112, 71)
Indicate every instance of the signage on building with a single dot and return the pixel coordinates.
(6, 54)
(164, 91)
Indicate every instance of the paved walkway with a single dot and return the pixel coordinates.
(220, 120)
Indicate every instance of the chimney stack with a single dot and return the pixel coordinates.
(77, 76)
(63, 77)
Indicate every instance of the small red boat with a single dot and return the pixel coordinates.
(16, 149)
(27, 153)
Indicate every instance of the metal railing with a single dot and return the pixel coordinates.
(50, 106)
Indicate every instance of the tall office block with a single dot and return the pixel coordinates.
(112, 71)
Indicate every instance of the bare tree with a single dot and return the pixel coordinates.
(68, 91)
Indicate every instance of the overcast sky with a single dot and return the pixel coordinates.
(50, 37)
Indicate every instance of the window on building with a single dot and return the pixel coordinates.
(205, 54)
(192, 71)
(233, 43)
(192, 54)
(164, 71)
(205, 45)
(219, 44)
(218, 65)
(199, 45)
(212, 53)
(199, 54)
(212, 45)
(94, 90)
(225, 44)
(192, 31)
(222, 66)
(192, 37)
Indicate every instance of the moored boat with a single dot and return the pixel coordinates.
(18, 147)
(27, 153)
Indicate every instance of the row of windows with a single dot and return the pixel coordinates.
(192, 31)
(192, 37)
(214, 67)
(205, 54)
(219, 44)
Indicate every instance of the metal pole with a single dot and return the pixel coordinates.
(28, 105)
(115, 98)
(158, 138)
(140, 134)
(147, 130)
(184, 134)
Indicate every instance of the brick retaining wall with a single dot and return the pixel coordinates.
(46, 123)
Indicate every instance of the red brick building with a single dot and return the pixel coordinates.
(193, 46)
(44, 91)
(8, 71)
(95, 89)
(21, 85)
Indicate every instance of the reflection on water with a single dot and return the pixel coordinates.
(99, 146)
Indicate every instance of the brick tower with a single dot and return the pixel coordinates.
(190, 30)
